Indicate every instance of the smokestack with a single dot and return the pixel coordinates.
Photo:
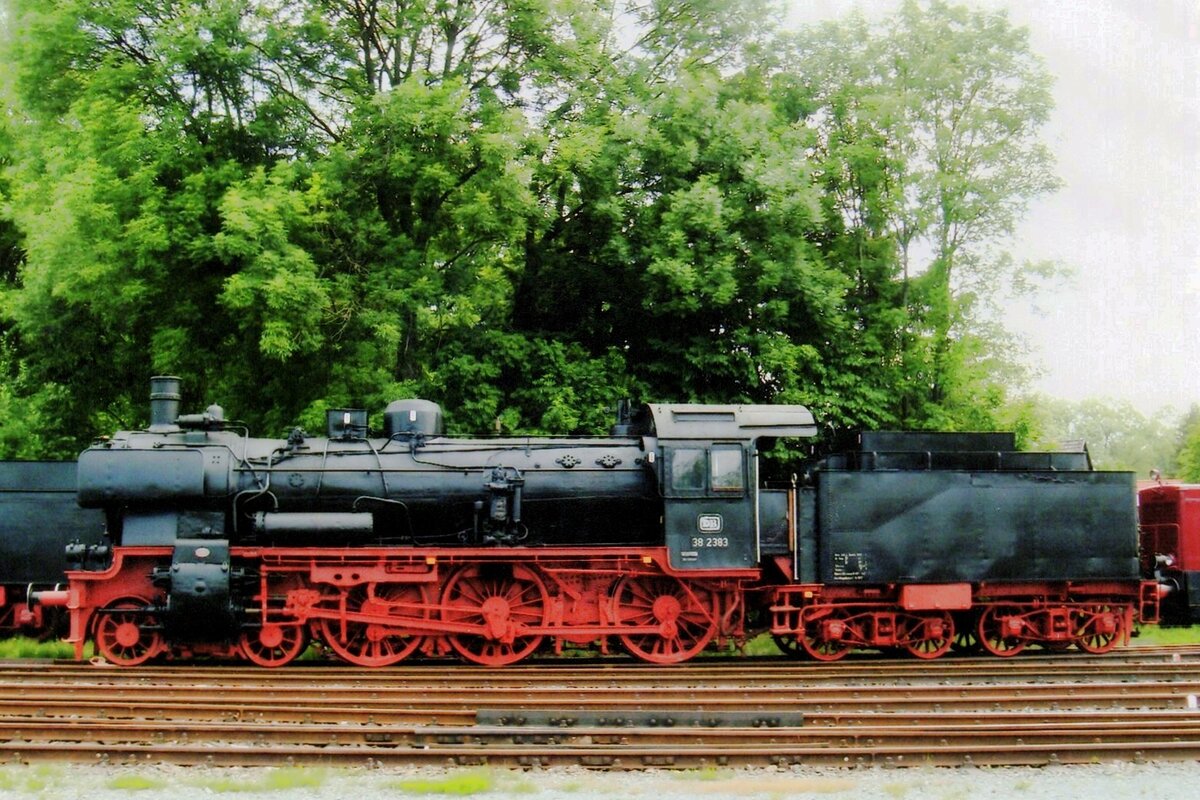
(164, 402)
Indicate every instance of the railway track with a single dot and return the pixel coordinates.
(1140, 704)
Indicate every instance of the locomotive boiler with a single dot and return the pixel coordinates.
(659, 539)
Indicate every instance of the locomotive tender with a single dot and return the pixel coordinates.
(39, 519)
(658, 537)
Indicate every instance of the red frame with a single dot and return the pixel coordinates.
(375, 606)
(575, 594)
(828, 622)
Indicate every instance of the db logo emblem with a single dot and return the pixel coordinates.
(709, 523)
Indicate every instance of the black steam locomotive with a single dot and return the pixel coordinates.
(658, 538)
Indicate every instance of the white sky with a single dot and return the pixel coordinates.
(1126, 133)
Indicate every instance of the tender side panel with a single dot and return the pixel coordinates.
(38, 518)
(942, 527)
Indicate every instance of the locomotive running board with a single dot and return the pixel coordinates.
(636, 718)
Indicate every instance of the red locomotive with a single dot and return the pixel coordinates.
(1170, 546)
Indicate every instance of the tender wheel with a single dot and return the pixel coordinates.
(931, 636)
(505, 604)
(371, 643)
(1098, 629)
(127, 637)
(825, 638)
(273, 645)
(997, 635)
(684, 615)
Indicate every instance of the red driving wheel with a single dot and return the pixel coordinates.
(504, 604)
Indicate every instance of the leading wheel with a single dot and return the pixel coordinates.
(504, 604)
(272, 645)
(999, 631)
(360, 633)
(683, 615)
(127, 636)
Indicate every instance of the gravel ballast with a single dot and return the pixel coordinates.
(1116, 781)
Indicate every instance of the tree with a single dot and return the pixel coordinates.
(930, 131)
(1117, 435)
(1188, 457)
(524, 210)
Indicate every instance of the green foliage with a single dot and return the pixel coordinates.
(1117, 435)
(523, 211)
(1188, 458)
(24, 647)
(1162, 636)
(928, 140)
(274, 290)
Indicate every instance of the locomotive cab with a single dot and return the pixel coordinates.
(715, 514)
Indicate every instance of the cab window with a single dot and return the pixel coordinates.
(687, 469)
(727, 469)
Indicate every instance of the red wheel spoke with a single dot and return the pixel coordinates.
(923, 642)
(1098, 628)
(826, 637)
(996, 631)
(665, 602)
(273, 645)
(375, 644)
(503, 606)
(128, 637)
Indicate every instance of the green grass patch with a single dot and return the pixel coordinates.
(762, 645)
(24, 647)
(1149, 635)
(702, 774)
(284, 779)
(30, 780)
(135, 783)
(460, 784)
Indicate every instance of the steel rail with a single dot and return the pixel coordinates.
(1134, 661)
(782, 695)
(1115, 728)
(344, 716)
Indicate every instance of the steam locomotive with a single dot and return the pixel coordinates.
(660, 539)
